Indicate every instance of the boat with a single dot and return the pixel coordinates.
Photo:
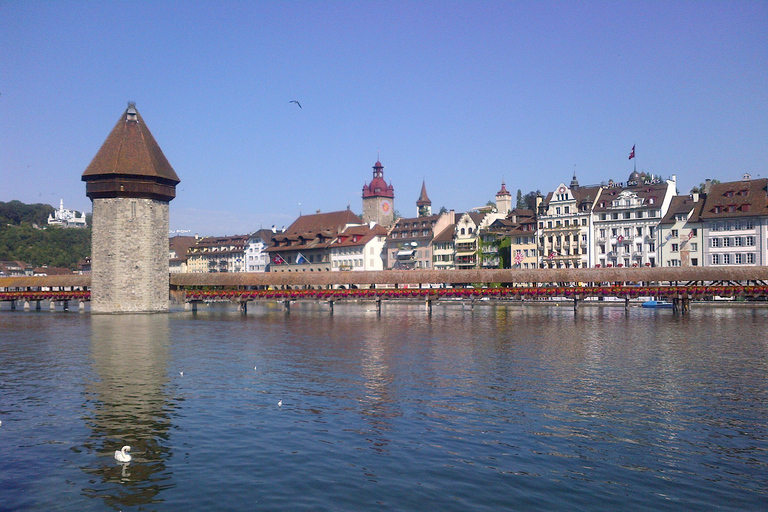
(657, 304)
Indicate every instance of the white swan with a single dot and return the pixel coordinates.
(280, 403)
(122, 456)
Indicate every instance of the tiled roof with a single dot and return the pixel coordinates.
(180, 245)
(746, 198)
(130, 150)
(355, 236)
(445, 235)
(423, 197)
(652, 195)
(683, 205)
(313, 231)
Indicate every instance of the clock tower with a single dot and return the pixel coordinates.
(379, 199)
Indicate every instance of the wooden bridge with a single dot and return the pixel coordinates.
(679, 285)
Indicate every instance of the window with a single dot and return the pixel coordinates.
(638, 231)
(674, 233)
(651, 247)
(626, 215)
(675, 247)
(639, 247)
(737, 259)
(714, 242)
(694, 262)
(750, 240)
(749, 224)
(567, 209)
(715, 259)
(557, 210)
(602, 233)
(694, 247)
(614, 215)
(726, 242)
(726, 259)
(738, 241)
(750, 258)
(549, 223)
(583, 222)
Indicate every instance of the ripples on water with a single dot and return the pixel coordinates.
(464, 409)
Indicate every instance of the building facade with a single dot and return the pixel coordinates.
(735, 223)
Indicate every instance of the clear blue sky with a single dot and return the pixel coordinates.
(460, 94)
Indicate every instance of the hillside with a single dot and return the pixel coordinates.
(52, 246)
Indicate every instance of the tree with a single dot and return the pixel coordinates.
(702, 188)
(520, 200)
(443, 210)
(530, 199)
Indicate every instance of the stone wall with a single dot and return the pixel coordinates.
(129, 256)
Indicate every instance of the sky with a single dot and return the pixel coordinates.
(460, 95)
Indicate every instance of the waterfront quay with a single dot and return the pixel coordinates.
(677, 285)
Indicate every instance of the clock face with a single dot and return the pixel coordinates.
(385, 206)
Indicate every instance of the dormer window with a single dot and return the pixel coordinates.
(729, 193)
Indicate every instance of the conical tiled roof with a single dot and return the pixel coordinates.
(130, 163)
(423, 197)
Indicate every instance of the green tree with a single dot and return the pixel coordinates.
(520, 200)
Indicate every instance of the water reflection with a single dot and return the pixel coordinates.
(127, 405)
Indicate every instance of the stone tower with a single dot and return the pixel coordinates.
(503, 200)
(130, 183)
(423, 204)
(379, 199)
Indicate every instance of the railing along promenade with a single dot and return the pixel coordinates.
(673, 283)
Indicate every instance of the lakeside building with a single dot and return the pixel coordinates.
(15, 269)
(217, 254)
(305, 245)
(178, 247)
(256, 255)
(735, 223)
(66, 218)
(359, 248)
(443, 246)
(515, 237)
(626, 220)
(565, 222)
(680, 233)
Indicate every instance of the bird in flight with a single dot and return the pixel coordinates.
(296, 102)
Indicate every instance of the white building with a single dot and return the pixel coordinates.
(359, 248)
(66, 218)
(626, 220)
(256, 255)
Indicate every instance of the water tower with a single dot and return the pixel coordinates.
(130, 183)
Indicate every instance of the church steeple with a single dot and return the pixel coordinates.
(424, 205)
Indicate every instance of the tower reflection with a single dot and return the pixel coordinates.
(127, 405)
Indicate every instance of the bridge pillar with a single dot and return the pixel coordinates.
(429, 306)
(66, 305)
(243, 306)
(575, 303)
(378, 307)
(13, 305)
(81, 305)
(37, 305)
(287, 305)
(194, 307)
(626, 303)
(330, 303)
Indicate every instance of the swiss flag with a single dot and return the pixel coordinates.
(632, 153)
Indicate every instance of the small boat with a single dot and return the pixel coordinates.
(657, 304)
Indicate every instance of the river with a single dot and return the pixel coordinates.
(491, 407)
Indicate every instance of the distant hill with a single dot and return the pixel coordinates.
(52, 246)
(17, 213)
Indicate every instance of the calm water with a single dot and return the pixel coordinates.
(491, 408)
